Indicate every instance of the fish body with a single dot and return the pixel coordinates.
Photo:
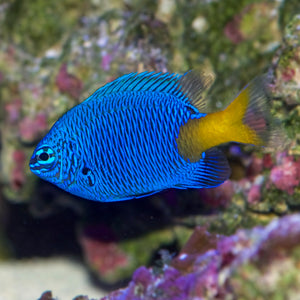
(144, 133)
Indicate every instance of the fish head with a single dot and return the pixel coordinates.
(58, 159)
(53, 158)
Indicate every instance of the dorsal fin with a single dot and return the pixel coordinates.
(190, 86)
(146, 81)
(194, 85)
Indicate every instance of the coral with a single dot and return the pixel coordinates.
(32, 128)
(39, 26)
(228, 269)
(113, 258)
(254, 23)
(286, 175)
(229, 46)
(232, 31)
(13, 110)
(218, 197)
(287, 64)
(257, 21)
(103, 254)
(200, 241)
(254, 194)
(68, 83)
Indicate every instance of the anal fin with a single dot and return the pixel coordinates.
(211, 171)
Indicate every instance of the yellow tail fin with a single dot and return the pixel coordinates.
(246, 120)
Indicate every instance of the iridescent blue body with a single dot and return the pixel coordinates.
(121, 142)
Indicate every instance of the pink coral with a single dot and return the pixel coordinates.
(68, 83)
(268, 161)
(254, 194)
(232, 30)
(30, 128)
(104, 257)
(255, 167)
(288, 74)
(286, 175)
(101, 249)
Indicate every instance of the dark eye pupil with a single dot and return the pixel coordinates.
(85, 171)
(44, 156)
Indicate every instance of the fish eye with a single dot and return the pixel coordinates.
(44, 156)
(43, 160)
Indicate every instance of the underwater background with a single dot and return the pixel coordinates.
(240, 240)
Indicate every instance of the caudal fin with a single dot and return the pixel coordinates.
(251, 121)
(247, 119)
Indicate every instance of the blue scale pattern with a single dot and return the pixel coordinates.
(132, 145)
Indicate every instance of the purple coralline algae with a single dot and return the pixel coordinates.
(222, 267)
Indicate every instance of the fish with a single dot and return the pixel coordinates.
(146, 132)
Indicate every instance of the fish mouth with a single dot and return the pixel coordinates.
(33, 164)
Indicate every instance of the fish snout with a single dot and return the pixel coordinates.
(33, 163)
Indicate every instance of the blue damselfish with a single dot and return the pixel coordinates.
(146, 132)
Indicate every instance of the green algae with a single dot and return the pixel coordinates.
(228, 59)
(36, 25)
(277, 281)
(287, 11)
(5, 249)
(292, 123)
(227, 221)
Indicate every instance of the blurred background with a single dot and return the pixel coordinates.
(53, 54)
